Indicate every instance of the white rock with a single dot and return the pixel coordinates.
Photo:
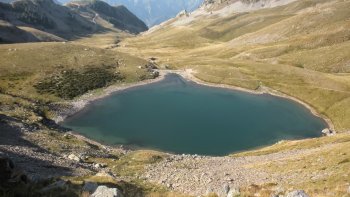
(328, 132)
(234, 192)
(349, 190)
(297, 193)
(74, 158)
(97, 165)
(103, 191)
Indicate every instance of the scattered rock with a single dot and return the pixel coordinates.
(169, 185)
(297, 193)
(349, 189)
(103, 191)
(90, 187)
(151, 65)
(74, 158)
(226, 189)
(99, 165)
(234, 192)
(328, 132)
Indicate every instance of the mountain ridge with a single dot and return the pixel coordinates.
(154, 12)
(64, 22)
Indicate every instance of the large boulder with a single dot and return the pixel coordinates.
(297, 193)
(103, 191)
(328, 132)
(74, 158)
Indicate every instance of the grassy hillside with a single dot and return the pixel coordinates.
(300, 49)
(33, 75)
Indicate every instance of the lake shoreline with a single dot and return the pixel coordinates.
(75, 106)
(188, 74)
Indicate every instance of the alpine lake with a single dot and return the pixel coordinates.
(179, 116)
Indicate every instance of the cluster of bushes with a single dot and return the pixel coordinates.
(72, 83)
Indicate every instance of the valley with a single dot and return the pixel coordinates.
(295, 49)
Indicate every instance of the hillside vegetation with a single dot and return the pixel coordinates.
(33, 75)
(300, 49)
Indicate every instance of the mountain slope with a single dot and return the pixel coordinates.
(119, 16)
(300, 48)
(45, 20)
(47, 16)
(154, 12)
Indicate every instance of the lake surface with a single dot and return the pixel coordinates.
(179, 116)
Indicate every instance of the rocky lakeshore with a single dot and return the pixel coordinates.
(48, 154)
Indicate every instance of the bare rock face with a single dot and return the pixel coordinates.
(297, 193)
(103, 191)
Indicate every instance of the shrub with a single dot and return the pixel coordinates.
(72, 83)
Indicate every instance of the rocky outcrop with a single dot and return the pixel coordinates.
(104, 191)
(182, 13)
(74, 158)
(328, 132)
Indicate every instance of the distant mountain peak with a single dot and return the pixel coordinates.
(154, 12)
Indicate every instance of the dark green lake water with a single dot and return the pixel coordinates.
(178, 116)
